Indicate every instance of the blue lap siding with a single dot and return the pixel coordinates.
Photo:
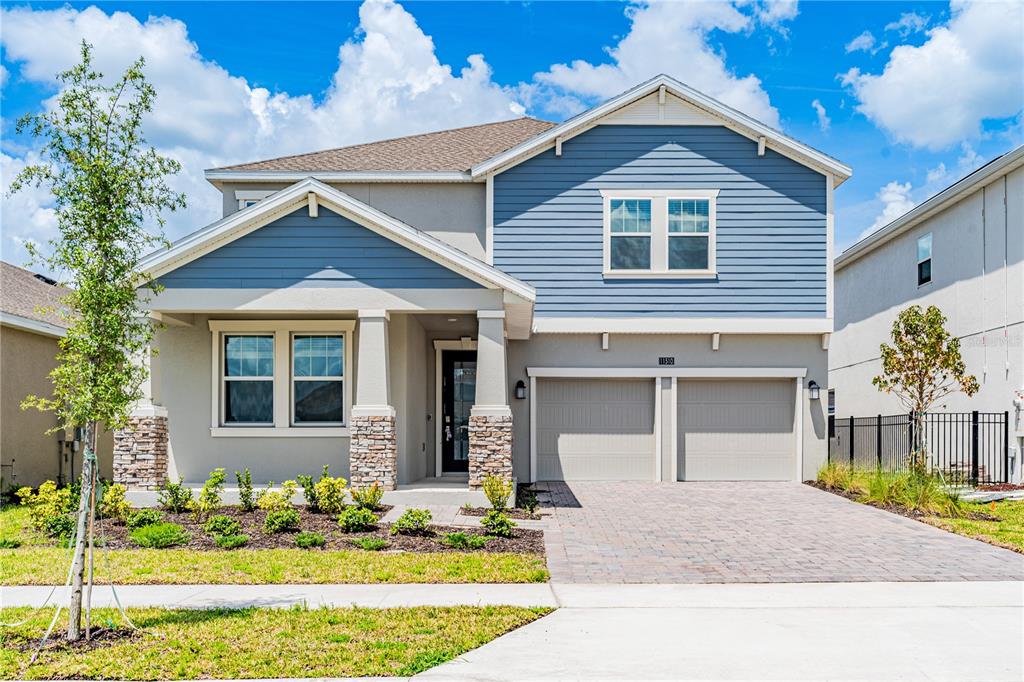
(771, 243)
(328, 251)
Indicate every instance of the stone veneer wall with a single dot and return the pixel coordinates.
(490, 448)
(140, 453)
(373, 452)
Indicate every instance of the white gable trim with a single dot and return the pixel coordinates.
(729, 117)
(287, 200)
(29, 325)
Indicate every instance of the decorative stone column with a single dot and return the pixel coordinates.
(141, 449)
(373, 444)
(490, 420)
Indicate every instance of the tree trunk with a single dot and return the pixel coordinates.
(74, 632)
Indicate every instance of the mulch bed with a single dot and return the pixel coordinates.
(524, 541)
(1000, 487)
(515, 513)
(915, 514)
(99, 638)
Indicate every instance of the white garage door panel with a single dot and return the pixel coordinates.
(736, 430)
(595, 429)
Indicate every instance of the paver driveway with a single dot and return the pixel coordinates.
(637, 532)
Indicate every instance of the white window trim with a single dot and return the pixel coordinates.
(931, 253)
(283, 331)
(223, 379)
(659, 232)
(292, 379)
(244, 196)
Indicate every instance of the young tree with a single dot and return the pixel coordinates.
(921, 367)
(106, 182)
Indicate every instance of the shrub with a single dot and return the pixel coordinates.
(369, 544)
(330, 493)
(926, 493)
(497, 490)
(10, 543)
(160, 536)
(174, 497)
(45, 503)
(498, 524)
(209, 496)
(114, 505)
(143, 517)
(231, 541)
(222, 525)
(276, 500)
(529, 501)
(245, 496)
(307, 540)
(411, 522)
(60, 526)
(885, 489)
(464, 541)
(357, 519)
(281, 521)
(368, 497)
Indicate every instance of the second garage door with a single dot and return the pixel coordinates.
(595, 429)
(736, 430)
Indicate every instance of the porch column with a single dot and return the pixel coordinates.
(140, 449)
(490, 420)
(373, 448)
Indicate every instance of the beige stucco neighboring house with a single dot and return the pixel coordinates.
(29, 332)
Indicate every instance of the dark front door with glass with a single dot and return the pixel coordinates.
(458, 393)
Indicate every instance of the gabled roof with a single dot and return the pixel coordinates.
(997, 167)
(455, 150)
(22, 292)
(731, 118)
(287, 200)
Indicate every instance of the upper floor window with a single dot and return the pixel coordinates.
(924, 259)
(659, 233)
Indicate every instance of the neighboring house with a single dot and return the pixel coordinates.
(29, 330)
(961, 250)
(641, 292)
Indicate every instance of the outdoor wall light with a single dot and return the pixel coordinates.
(520, 390)
(815, 390)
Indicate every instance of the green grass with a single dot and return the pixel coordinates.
(924, 493)
(37, 562)
(260, 643)
(1007, 532)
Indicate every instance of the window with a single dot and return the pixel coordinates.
(248, 379)
(659, 233)
(246, 203)
(831, 401)
(250, 197)
(924, 259)
(317, 379)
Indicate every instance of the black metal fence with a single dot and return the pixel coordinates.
(967, 447)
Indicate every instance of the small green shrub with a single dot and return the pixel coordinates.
(10, 543)
(222, 525)
(175, 497)
(231, 541)
(143, 517)
(497, 490)
(368, 497)
(45, 503)
(369, 544)
(281, 521)
(529, 501)
(209, 496)
(114, 504)
(246, 500)
(464, 541)
(60, 526)
(357, 520)
(330, 493)
(411, 522)
(309, 491)
(307, 540)
(498, 524)
(160, 536)
(276, 500)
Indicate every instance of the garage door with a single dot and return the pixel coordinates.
(595, 429)
(736, 430)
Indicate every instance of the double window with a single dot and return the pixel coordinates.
(659, 233)
(924, 259)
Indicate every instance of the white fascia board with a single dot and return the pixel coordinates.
(280, 203)
(682, 325)
(679, 372)
(736, 120)
(216, 176)
(937, 203)
(29, 325)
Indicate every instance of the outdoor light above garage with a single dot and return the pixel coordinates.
(520, 390)
(814, 389)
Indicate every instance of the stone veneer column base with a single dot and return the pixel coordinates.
(373, 452)
(140, 453)
(490, 448)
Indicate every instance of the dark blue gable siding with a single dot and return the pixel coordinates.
(771, 242)
(328, 251)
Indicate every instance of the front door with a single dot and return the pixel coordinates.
(458, 393)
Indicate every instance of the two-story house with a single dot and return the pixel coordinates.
(640, 292)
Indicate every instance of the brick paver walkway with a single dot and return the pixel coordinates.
(636, 532)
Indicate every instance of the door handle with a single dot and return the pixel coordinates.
(447, 433)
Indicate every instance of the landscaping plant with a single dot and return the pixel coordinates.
(368, 497)
(357, 520)
(222, 525)
(330, 493)
(209, 496)
(281, 521)
(529, 501)
(10, 543)
(114, 504)
(308, 540)
(370, 544)
(309, 491)
(60, 527)
(411, 522)
(246, 500)
(497, 490)
(498, 523)
(160, 536)
(464, 541)
(231, 541)
(47, 502)
(277, 500)
(175, 497)
(143, 517)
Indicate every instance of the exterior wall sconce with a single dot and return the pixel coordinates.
(814, 389)
(520, 390)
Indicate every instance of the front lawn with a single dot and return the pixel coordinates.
(257, 643)
(1006, 528)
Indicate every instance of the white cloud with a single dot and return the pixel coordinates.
(895, 199)
(3, 75)
(937, 174)
(775, 13)
(909, 22)
(862, 43)
(824, 122)
(939, 93)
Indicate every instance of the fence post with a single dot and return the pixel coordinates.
(910, 436)
(831, 435)
(1006, 447)
(974, 447)
(851, 441)
(878, 440)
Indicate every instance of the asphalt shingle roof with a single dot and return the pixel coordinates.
(21, 291)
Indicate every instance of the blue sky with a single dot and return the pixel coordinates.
(912, 95)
